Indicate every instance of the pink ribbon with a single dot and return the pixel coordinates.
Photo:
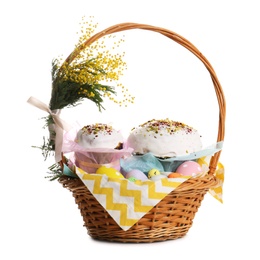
(60, 125)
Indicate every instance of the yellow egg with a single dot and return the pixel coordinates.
(153, 172)
(110, 172)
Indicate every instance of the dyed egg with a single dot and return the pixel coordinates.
(158, 177)
(109, 172)
(137, 174)
(133, 179)
(189, 168)
(174, 175)
(153, 172)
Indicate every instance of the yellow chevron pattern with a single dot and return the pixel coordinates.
(126, 201)
(216, 192)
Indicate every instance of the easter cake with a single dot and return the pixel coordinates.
(164, 138)
(99, 144)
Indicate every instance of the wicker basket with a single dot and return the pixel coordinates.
(173, 216)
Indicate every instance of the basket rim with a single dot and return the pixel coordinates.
(197, 183)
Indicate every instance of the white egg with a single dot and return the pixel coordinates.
(158, 177)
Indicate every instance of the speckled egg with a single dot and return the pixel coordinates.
(132, 179)
(137, 174)
(189, 168)
(153, 172)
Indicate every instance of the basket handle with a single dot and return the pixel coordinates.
(188, 45)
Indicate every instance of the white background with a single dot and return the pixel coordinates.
(39, 219)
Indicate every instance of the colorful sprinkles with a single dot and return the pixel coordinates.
(96, 128)
(170, 126)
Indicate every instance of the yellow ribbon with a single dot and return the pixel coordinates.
(60, 125)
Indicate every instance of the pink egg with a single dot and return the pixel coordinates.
(189, 168)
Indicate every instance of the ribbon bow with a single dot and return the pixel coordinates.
(59, 123)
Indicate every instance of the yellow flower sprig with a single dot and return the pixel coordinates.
(87, 73)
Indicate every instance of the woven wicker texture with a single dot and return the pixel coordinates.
(173, 216)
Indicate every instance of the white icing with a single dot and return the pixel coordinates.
(99, 136)
(164, 138)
